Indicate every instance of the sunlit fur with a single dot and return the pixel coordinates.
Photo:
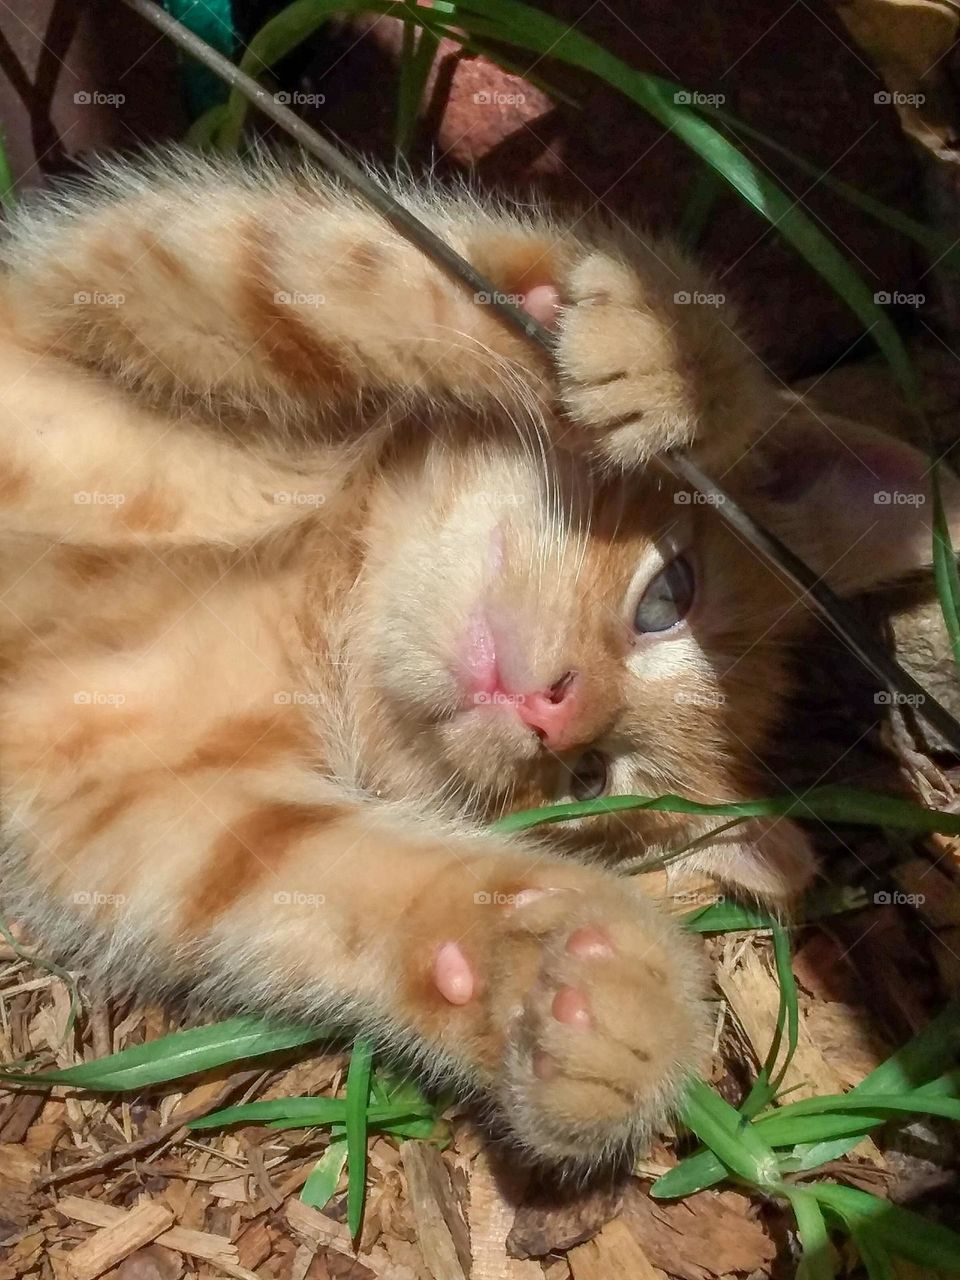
(261, 465)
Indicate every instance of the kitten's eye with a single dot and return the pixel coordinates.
(588, 778)
(667, 599)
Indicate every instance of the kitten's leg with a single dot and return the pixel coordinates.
(555, 988)
(287, 293)
(82, 462)
(651, 360)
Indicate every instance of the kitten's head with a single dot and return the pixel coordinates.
(532, 633)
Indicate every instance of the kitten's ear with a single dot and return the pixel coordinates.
(768, 858)
(852, 501)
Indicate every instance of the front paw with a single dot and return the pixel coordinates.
(597, 1004)
(650, 364)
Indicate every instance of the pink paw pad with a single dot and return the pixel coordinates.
(542, 302)
(452, 974)
(570, 1007)
(589, 943)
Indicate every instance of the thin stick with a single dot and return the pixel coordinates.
(841, 618)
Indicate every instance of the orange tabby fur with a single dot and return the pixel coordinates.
(259, 462)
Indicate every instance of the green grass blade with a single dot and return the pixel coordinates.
(729, 1136)
(358, 1096)
(8, 188)
(723, 917)
(320, 1187)
(899, 1231)
(828, 804)
(420, 46)
(876, 1261)
(945, 571)
(765, 1087)
(939, 246)
(182, 1054)
(542, 33)
(918, 1102)
(919, 1062)
(817, 1258)
(277, 38)
(305, 1113)
(699, 205)
(697, 1172)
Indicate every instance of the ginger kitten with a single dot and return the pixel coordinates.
(309, 569)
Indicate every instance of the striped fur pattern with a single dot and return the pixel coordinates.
(272, 489)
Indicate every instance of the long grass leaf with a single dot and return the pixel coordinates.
(899, 1231)
(181, 1054)
(828, 804)
(358, 1100)
(817, 1259)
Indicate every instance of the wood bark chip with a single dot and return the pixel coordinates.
(494, 1194)
(614, 1254)
(441, 1231)
(111, 1245)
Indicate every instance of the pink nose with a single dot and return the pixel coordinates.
(551, 714)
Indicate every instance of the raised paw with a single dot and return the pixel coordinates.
(649, 362)
(595, 1004)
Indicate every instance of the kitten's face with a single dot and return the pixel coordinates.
(539, 636)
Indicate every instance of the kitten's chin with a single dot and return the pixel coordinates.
(488, 746)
